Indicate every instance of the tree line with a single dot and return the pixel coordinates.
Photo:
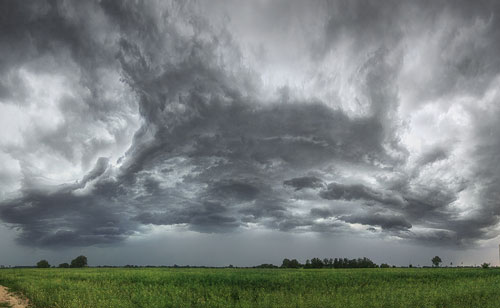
(81, 261)
(78, 262)
(330, 263)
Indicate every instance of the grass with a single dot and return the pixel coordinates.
(342, 288)
(5, 305)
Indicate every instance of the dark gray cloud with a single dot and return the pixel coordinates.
(173, 114)
(336, 191)
(207, 217)
(62, 218)
(386, 222)
(304, 182)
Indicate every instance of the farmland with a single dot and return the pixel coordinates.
(162, 287)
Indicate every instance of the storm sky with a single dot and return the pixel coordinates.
(243, 132)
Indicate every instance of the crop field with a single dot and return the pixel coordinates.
(154, 287)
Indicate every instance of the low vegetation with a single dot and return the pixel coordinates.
(233, 287)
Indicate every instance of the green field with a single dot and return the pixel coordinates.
(95, 288)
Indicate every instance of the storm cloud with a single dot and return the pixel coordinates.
(360, 118)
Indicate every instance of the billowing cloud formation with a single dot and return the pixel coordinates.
(333, 117)
(304, 182)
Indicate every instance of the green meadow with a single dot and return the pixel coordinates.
(342, 288)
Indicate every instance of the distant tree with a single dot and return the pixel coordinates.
(351, 263)
(366, 263)
(384, 265)
(345, 263)
(294, 263)
(485, 265)
(316, 263)
(308, 264)
(328, 263)
(80, 261)
(285, 263)
(436, 260)
(410, 266)
(335, 263)
(43, 264)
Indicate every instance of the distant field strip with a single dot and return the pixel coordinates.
(133, 288)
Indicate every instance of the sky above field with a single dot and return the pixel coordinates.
(243, 132)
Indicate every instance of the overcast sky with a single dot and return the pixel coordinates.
(243, 132)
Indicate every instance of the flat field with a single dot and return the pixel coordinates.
(343, 288)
